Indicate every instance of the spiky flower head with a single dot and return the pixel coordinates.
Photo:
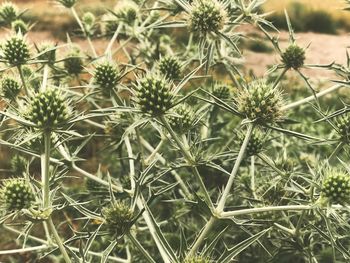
(48, 109)
(343, 127)
(18, 164)
(74, 63)
(88, 19)
(183, 119)
(106, 77)
(16, 194)
(221, 92)
(8, 12)
(19, 26)
(170, 67)
(336, 187)
(118, 217)
(10, 87)
(110, 24)
(197, 259)
(206, 16)
(47, 52)
(255, 144)
(293, 57)
(260, 102)
(153, 95)
(67, 3)
(126, 11)
(16, 50)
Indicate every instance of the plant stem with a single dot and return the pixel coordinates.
(280, 76)
(45, 165)
(58, 241)
(187, 155)
(140, 247)
(202, 236)
(266, 209)
(239, 159)
(20, 71)
(131, 163)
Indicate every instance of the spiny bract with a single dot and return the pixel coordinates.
(170, 67)
(118, 218)
(16, 50)
(206, 16)
(336, 187)
(10, 87)
(293, 57)
(48, 109)
(106, 76)
(153, 96)
(260, 101)
(16, 194)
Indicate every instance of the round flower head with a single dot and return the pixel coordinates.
(293, 57)
(67, 3)
(197, 259)
(153, 96)
(221, 92)
(73, 63)
(118, 218)
(10, 87)
(16, 50)
(336, 187)
(48, 109)
(126, 11)
(88, 20)
(170, 67)
(343, 125)
(19, 26)
(18, 164)
(207, 16)
(183, 121)
(8, 12)
(106, 77)
(16, 194)
(47, 52)
(260, 102)
(255, 144)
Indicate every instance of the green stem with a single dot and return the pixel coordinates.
(20, 71)
(140, 247)
(239, 159)
(278, 79)
(58, 240)
(266, 209)
(45, 165)
(187, 155)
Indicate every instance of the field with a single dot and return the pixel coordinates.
(174, 131)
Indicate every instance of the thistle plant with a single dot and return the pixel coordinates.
(152, 141)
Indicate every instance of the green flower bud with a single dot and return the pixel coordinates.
(221, 92)
(170, 67)
(8, 12)
(18, 164)
(118, 218)
(153, 96)
(207, 16)
(260, 102)
(19, 26)
(16, 50)
(183, 121)
(88, 19)
(126, 11)
(48, 109)
(336, 187)
(197, 259)
(106, 77)
(16, 194)
(293, 57)
(10, 88)
(67, 3)
(73, 63)
(255, 144)
(343, 127)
